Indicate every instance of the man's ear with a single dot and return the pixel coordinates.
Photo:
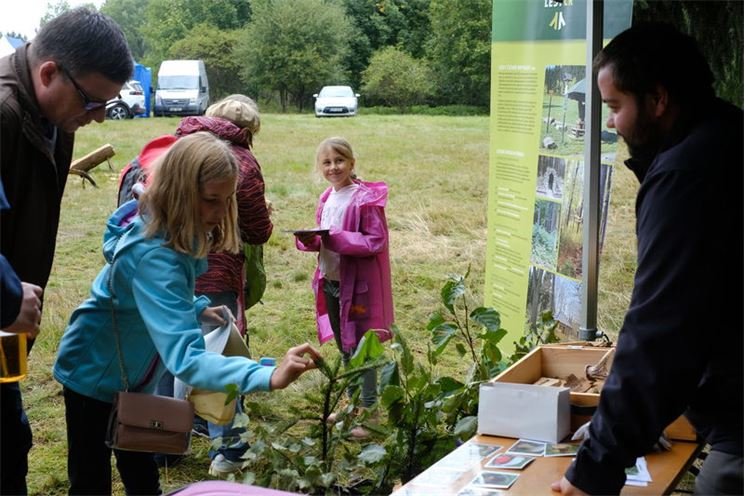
(660, 100)
(47, 71)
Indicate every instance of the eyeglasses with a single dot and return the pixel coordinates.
(88, 103)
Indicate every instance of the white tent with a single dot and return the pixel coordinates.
(8, 45)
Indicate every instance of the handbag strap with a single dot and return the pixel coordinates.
(117, 341)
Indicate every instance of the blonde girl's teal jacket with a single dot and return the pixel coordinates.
(156, 315)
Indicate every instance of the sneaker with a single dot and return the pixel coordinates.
(201, 430)
(221, 466)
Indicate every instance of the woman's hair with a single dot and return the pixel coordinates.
(340, 146)
(171, 201)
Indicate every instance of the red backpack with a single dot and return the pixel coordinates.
(136, 172)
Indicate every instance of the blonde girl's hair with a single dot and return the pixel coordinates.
(171, 202)
(340, 146)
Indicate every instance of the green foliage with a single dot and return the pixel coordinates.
(129, 15)
(168, 21)
(543, 332)
(309, 453)
(293, 47)
(544, 247)
(397, 79)
(717, 25)
(215, 47)
(428, 110)
(459, 50)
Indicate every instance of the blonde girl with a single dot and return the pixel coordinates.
(148, 284)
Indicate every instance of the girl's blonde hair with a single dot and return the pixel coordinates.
(340, 146)
(171, 201)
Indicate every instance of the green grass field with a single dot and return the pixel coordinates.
(437, 170)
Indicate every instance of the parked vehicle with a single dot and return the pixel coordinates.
(129, 103)
(183, 88)
(336, 101)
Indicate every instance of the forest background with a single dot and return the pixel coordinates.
(409, 55)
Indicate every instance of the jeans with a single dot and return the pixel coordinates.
(89, 459)
(369, 393)
(15, 440)
(721, 473)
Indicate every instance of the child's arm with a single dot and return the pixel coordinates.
(372, 237)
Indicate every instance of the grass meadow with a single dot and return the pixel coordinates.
(437, 171)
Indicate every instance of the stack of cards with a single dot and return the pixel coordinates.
(638, 475)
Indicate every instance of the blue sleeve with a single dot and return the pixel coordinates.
(11, 293)
(167, 306)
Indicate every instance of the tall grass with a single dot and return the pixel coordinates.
(436, 168)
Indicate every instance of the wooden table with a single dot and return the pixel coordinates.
(666, 470)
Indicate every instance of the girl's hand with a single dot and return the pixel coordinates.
(293, 365)
(214, 315)
(306, 238)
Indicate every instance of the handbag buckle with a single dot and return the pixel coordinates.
(156, 424)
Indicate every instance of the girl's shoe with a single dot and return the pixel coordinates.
(221, 466)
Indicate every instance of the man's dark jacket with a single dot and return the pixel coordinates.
(34, 176)
(681, 345)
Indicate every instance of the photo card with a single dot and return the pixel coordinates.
(508, 460)
(561, 449)
(527, 447)
(480, 491)
(499, 480)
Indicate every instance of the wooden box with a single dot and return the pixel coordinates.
(560, 361)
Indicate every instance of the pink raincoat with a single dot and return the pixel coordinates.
(365, 297)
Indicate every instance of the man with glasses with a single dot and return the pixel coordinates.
(49, 88)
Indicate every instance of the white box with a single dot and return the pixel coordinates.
(524, 411)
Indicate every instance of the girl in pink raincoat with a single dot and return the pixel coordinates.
(352, 283)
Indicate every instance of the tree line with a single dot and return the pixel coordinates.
(396, 53)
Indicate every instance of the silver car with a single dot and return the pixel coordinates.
(336, 101)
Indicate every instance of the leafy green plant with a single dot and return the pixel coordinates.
(476, 333)
(542, 332)
(412, 396)
(308, 453)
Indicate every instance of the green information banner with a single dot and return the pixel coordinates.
(536, 160)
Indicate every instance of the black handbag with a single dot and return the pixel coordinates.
(146, 422)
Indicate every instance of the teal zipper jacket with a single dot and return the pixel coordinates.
(156, 317)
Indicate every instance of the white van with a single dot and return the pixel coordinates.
(182, 89)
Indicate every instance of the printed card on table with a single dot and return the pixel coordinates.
(527, 447)
(561, 449)
(468, 454)
(508, 460)
(437, 476)
(480, 491)
(499, 480)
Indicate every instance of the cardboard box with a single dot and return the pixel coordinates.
(560, 361)
(524, 411)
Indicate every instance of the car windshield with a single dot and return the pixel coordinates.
(178, 82)
(336, 91)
